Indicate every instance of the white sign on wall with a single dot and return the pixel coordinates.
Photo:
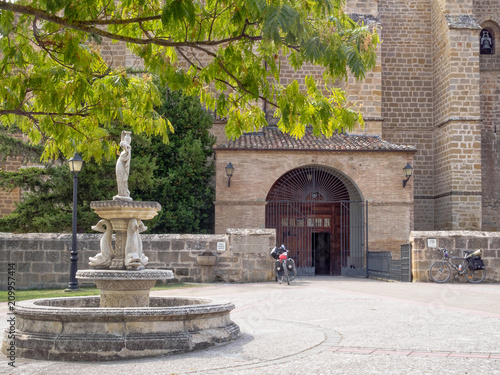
(431, 242)
(221, 246)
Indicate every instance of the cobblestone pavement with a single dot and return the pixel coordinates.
(330, 325)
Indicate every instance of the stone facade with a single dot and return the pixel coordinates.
(373, 173)
(456, 242)
(241, 255)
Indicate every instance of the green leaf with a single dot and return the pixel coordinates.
(176, 11)
(278, 20)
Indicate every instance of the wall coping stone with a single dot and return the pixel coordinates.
(246, 231)
(452, 233)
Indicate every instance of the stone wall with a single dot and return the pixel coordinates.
(488, 15)
(456, 242)
(457, 134)
(407, 96)
(42, 259)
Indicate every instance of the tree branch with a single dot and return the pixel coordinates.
(30, 114)
(87, 27)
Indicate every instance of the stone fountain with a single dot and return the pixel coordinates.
(124, 322)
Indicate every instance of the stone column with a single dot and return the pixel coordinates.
(120, 228)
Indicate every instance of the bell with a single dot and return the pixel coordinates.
(485, 45)
(486, 42)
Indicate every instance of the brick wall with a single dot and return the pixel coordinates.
(458, 7)
(42, 259)
(407, 97)
(457, 134)
(8, 199)
(458, 176)
(456, 242)
(490, 146)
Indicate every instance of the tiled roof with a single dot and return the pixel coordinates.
(272, 138)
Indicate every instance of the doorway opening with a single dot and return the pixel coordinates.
(322, 252)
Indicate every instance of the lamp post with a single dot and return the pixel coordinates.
(75, 166)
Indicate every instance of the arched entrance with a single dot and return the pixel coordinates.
(319, 214)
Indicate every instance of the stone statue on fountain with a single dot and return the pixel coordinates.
(124, 217)
(123, 168)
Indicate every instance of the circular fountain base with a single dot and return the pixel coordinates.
(77, 329)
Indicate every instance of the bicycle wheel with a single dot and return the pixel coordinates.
(285, 271)
(292, 269)
(474, 276)
(440, 272)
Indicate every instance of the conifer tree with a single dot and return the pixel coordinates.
(177, 175)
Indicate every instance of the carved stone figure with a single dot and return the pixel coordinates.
(103, 259)
(134, 258)
(123, 217)
(123, 168)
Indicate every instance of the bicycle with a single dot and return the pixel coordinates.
(471, 266)
(284, 267)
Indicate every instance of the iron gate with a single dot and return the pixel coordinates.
(354, 239)
(319, 215)
(324, 238)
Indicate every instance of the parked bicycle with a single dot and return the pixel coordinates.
(470, 265)
(284, 267)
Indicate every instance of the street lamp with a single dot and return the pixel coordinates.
(408, 171)
(229, 173)
(75, 166)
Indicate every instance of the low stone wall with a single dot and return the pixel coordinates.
(456, 242)
(240, 255)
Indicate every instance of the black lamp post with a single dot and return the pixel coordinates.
(229, 173)
(75, 166)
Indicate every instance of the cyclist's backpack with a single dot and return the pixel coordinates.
(476, 263)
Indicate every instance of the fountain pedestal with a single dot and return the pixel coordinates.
(119, 213)
(124, 288)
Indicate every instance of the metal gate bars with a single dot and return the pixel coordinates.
(324, 238)
(319, 216)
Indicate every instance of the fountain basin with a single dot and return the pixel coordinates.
(77, 329)
(119, 209)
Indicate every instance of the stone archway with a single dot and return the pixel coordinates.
(318, 213)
